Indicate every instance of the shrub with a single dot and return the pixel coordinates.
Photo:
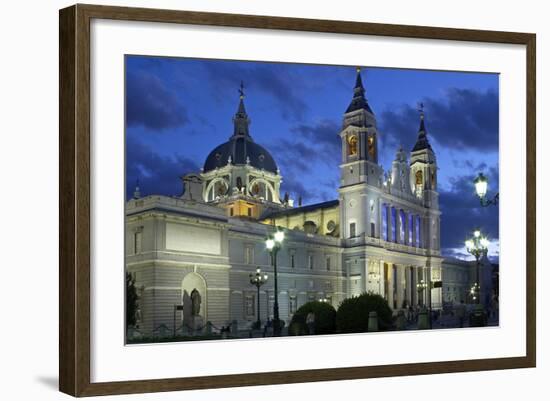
(325, 319)
(353, 313)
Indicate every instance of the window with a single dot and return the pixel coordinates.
(138, 241)
(231, 212)
(393, 222)
(249, 305)
(417, 227)
(249, 254)
(292, 305)
(411, 224)
(249, 211)
(328, 263)
(385, 222)
(310, 261)
(352, 230)
(270, 305)
(293, 258)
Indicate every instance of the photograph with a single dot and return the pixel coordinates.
(267, 199)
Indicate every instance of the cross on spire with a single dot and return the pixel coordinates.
(421, 109)
(241, 90)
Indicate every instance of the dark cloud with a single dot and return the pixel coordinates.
(277, 81)
(151, 104)
(463, 119)
(311, 146)
(461, 212)
(157, 174)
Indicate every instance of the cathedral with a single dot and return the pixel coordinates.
(192, 255)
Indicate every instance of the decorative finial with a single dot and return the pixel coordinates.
(137, 193)
(421, 110)
(241, 90)
(358, 69)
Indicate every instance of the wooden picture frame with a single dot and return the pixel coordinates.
(74, 203)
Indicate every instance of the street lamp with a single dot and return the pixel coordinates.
(421, 287)
(273, 244)
(481, 184)
(258, 280)
(477, 246)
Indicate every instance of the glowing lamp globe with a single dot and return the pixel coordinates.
(279, 236)
(270, 244)
(481, 185)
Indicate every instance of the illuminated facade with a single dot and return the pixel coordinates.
(380, 235)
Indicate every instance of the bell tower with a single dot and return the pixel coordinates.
(423, 175)
(359, 137)
(359, 168)
(423, 180)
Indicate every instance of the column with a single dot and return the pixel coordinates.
(366, 283)
(429, 288)
(400, 270)
(408, 283)
(348, 284)
(381, 279)
(390, 285)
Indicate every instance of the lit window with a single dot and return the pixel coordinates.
(411, 224)
(385, 222)
(393, 222)
(402, 227)
(417, 227)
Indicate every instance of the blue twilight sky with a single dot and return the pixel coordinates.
(178, 110)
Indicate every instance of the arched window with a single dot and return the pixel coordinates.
(352, 145)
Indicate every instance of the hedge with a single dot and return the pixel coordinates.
(353, 313)
(325, 319)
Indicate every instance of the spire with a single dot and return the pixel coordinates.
(358, 101)
(422, 140)
(241, 120)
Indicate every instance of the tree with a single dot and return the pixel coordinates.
(353, 313)
(325, 318)
(131, 299)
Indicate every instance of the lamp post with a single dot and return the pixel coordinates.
(273, 244)
(477, 246)
(424, 315)
(481, 184)
(258, 280)
(421, 287)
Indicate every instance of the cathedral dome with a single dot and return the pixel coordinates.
(242, 150)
